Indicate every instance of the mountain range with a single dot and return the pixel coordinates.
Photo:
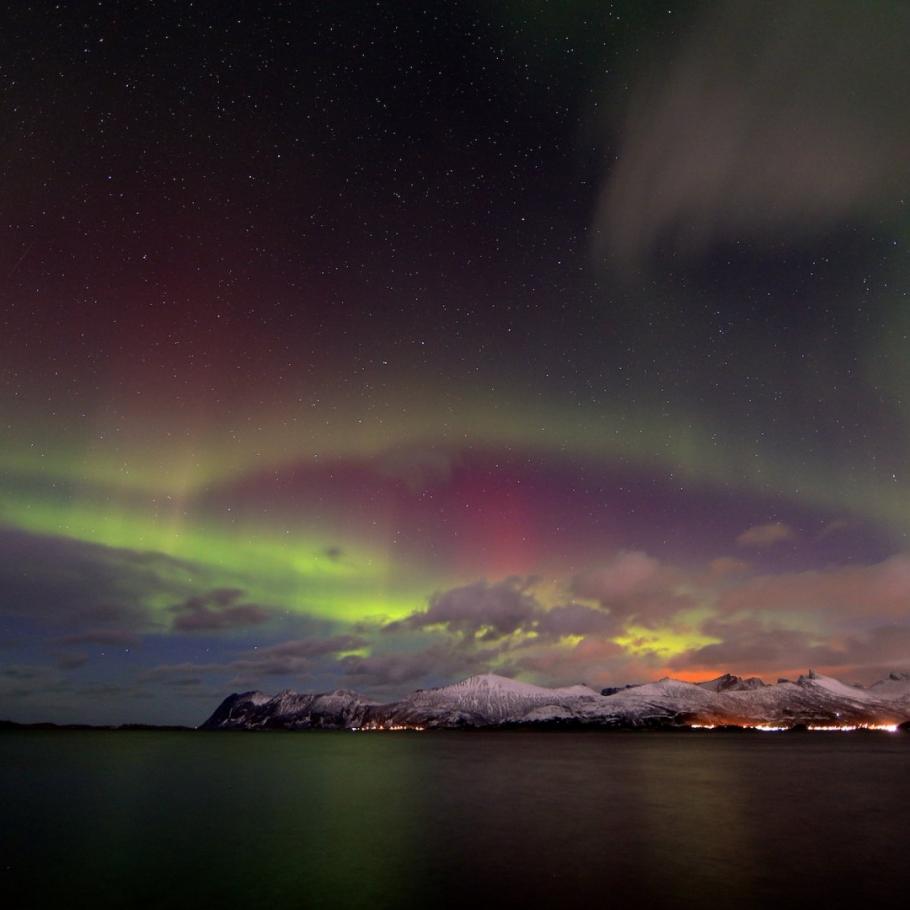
(488, 700)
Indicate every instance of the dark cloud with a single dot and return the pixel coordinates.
(840, 592)
(289, 658)
(21, 681)
(440, 662)
(72, 661)
(884, 647)
(575, 619)
(595, 660)
(833, 527)
(482, 610)
(772, 119)
(24, 671)
(634, 586)
(292, 657)
(70, 584)
(748, 643)
(184, 681)
(216, 610)
(628, 573)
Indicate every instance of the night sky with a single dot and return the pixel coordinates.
(372, 345)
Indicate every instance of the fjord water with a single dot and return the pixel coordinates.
(154, 819)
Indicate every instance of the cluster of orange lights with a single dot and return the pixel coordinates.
(373, 727)
(815, 728)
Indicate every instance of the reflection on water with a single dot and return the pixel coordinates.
(709, 815)
(447, 819)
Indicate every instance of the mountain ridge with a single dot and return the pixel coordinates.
(490, 700)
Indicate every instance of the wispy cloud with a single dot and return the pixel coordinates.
(766, 535)
(217, 610)
(762, 124)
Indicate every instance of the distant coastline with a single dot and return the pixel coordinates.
(812, 703)
(109, 728)
(694, 729)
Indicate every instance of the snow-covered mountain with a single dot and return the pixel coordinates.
(483, 700)
(288, 710)
(730, 683)
(895, 688)
(491, 700)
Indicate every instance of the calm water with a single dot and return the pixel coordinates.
(100, 820)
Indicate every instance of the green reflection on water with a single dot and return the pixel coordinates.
(254, 820)
(326, 820)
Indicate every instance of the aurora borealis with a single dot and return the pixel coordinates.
(374, 345)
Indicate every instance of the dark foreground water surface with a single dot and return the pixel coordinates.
(98, 820)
